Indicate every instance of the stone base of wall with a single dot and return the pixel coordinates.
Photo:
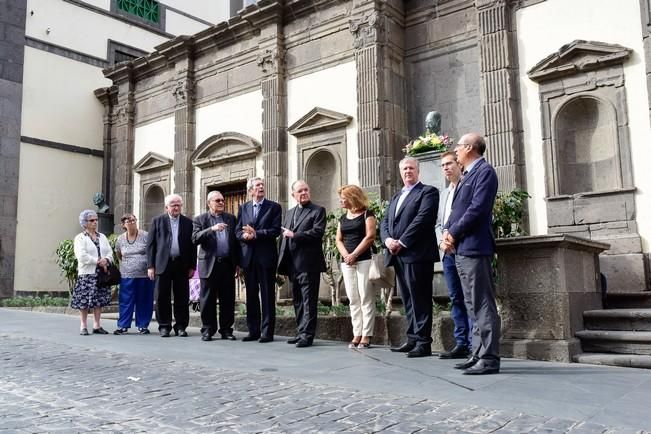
(540, 349)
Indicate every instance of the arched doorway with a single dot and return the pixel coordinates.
(154, 204)
(322, 176)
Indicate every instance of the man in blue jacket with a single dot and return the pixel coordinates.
(469, 235)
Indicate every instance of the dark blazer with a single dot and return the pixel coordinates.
(470, 221)
(159, 241)
(204, 237)
(305, 251)
(264, 246)
(413, 226)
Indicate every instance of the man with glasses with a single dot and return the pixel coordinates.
(258, 227)
(171, 260)
(468, 234)
(214, 233)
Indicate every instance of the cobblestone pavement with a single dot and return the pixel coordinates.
(51, 387)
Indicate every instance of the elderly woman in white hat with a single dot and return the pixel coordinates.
(93, 252)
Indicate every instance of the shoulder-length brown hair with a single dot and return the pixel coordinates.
(355, 197)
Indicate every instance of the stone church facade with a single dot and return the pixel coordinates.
(331, 90)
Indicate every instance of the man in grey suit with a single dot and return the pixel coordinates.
(468, 234)
(459, 314)
(214, 233)
(301, 258)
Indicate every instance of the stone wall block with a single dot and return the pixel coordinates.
(621, 244)
(624, 273)
(606, 208)
(560, 212)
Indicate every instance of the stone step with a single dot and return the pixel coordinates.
(623, 360)
(618, 319)
(630, 300)
(615, 341)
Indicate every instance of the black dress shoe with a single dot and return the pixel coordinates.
(121, 331)
(420, 351)
(468, 363)
(404, 348)
(302, 343)
(143, 331)
(164, 333)
(483, 367)
(249, 338)
(228, 337)
(182, 333)
(265, 339)
(83, 332)
(293, 341)
(458, 352)
(206, 338)
(100, 331)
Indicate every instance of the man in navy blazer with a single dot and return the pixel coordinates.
(301, 258)
(214, 233)
(468, 234)
(407, 231)
(258, 227)
(171, 260)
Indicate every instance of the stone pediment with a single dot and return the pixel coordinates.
(317, 120)
(152, 161)
(578, 56)
(224, 147)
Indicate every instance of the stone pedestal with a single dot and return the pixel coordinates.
(544, 284)
(105, 223)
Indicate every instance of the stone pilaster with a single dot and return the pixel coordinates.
(122, 143)
(180, 52)
(108, 97)
(12, 41)
(499, 93)
(381, 113)
(274, 123)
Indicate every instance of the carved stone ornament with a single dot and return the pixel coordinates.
(366, 30)
(121, 113)
(152, 162)
(181, 91)
(578, 56)
(271, 61)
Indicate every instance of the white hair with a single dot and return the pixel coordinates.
(213, 194)
(404, 160)
(170, 197)
(84, 216)
(251, 181)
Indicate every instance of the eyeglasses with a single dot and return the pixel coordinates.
(91, 220)
(130, 221)
(218, 200)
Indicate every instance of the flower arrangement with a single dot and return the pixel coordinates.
(428, 142)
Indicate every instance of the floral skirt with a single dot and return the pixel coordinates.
(87, 294)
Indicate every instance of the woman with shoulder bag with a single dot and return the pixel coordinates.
(93, 253)
(355, 237)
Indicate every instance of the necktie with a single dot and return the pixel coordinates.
(256, 209)
(297, 213)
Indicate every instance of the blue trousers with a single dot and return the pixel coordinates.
(136, 293)
(459, 313)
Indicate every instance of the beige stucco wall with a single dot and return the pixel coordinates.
(54, 187)
(316, 90)
(542, 30)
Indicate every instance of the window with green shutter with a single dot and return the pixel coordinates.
(148, 10)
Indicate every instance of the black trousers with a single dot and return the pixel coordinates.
(260, 284)
(220, 283)
(305, 294)
(415, 285)
(173, 280)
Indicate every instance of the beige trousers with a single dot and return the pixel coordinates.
(361, 294)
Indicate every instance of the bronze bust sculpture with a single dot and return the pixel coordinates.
(433, 123)
(100, 202)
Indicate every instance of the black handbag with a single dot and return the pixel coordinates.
(110, 277)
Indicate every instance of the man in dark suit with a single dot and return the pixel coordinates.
(458, 311)
(214, 233)
(171, 260)
(258, 227)
(301, 258)
(468, 234)
(407, 231)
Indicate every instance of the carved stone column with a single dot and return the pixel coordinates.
(381, 113)
(108, 97)
(122, 143)
(274, 123)
(180, 52)
(499, 92)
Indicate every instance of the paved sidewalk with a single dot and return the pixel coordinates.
(55, 380)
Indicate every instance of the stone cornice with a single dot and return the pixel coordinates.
(318, 120)
(152, 161)
(578, 56)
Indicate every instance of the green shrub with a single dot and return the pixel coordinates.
(31, 301)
